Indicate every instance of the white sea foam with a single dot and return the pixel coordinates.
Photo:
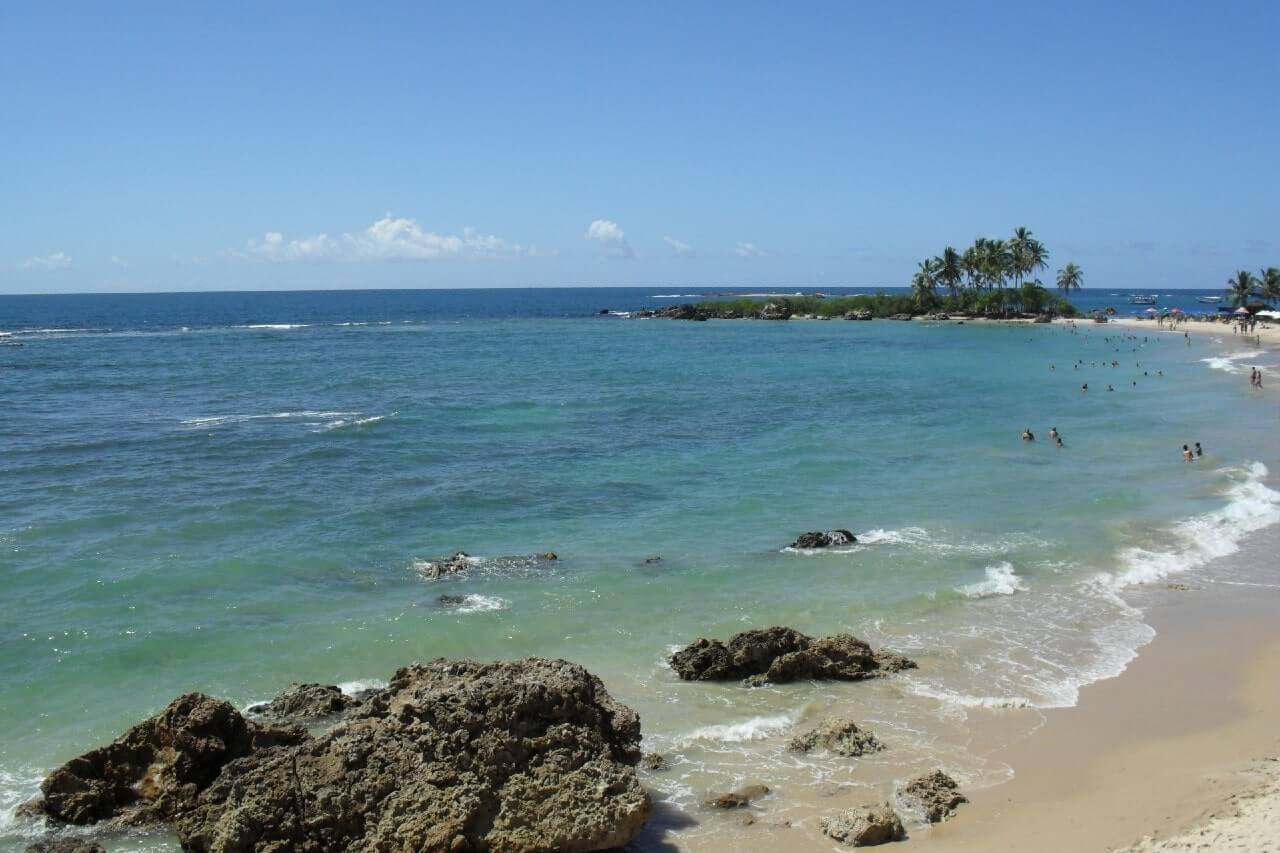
(481, 604)
(351, 688)
(1001, 580)
(756, 728)
(1195, 541)
(357, 422)
(906, 536)
(274, 326)
(218, 420)
(16, 788)
(1227, 362)
(966, 701)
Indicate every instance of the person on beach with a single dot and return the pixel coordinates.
(1186, 454)
(1199, 452)
(1027, 435)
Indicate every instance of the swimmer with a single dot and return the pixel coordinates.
(1027, 435)
(1053, 432)
(1199, 452)
(1186, 454)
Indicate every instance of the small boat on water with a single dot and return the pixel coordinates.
(1139, 299)
(1209, 299)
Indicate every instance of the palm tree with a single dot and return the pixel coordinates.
(1270, 283)
(1020, 253)
(1069, 278)
(1037, 257)
(1240, 287)
(924, 283)
(950, 269)
(971, 263)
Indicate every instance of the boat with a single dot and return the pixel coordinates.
(1139, 299)
(1210, 299)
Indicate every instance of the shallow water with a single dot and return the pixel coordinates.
(250, 502)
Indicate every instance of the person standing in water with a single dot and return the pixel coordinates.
(1186, 454)
(1199, 452)
(1027, 435)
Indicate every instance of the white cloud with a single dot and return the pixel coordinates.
(119, 262)
(56, 261)
(749, 250)
(388, 239)
(607, 233)
(682, 249)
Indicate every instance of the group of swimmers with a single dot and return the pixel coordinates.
(1028, 435)
(1189, 455)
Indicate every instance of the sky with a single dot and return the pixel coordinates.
(175, 146)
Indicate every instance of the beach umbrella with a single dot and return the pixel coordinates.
(1241, 310)
(1152, 311)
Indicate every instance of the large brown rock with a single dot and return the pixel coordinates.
(452, 756)
(778, 655)
(66, 845)
(864, 827)
(157, 768)
(935, 794)
(840, 736)
(824, 539)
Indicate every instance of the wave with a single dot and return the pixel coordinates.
(964, 700)
(906, 536)
(1227, 362)
(1197, 540)
(17, 788)
(218, 420)
(1001, 580)
(756, 728)
(357, 422)
(273, 326)
(352, 688)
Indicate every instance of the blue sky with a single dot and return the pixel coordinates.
(250, 146)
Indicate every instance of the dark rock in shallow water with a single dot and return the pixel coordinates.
(521, 755)
(820, 539)
(735, 799)
(779, 655)
(451, 600)
(306, 702)
(157, 768)
(865, 826)
(936, 794)
(435, 569)
(66, 845)
(843, 737)
(654, 761)
(649, 561)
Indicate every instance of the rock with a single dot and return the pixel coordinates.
(865, 826)
(451, 600)
(843, 737)
(654, 761)
(1179, 587)
(778, 655)
(936, 794)
(858, 315)
(301, 702)
(900, 317)
(551, 555)
(819, 539)
(157, 768)
(1043, 318)
(649, 561)
(459, 562)
(451, 756)
(66, 845)
(735, 799)
(603, 311)
(774, 311)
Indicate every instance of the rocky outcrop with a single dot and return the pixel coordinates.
(156, 769)
(858, 315)
(821, 539)
(435, 569)
(66, 845)
(864, 827)
(735, 799)
(840, 736)
(935, 794)
(304, 702)
(654, 761)
(778, 655)
(451, 600)
(451, 756)
(774, 311)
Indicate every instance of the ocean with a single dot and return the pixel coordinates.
(230, 492)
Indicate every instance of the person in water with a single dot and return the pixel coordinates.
(1199, 452)
(1027, 435)
(1058, 441)
(1053, 432)
(1186, 454)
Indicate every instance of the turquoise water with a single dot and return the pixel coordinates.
(229, 509)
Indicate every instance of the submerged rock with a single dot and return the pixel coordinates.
(820, 539)
(519, 755)
(843, 737)
(156, 769)
(451, 600)
(435, 569)
(936, 794)
(302, 702)
(865, 826)
(780, 655)
(735, 799)
(654, 761)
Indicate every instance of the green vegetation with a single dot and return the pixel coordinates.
(993, 277)
(1030, 298)
(1244, 286)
